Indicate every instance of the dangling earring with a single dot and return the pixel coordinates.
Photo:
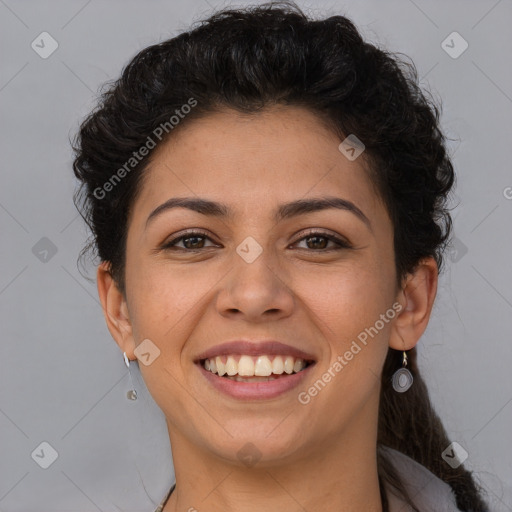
(132, 394)
(402, 378)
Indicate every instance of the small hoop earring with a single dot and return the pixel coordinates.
(402, 379)
(132, 394)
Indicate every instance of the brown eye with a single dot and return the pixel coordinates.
(192, 241)
(315, 241)
(319, 241)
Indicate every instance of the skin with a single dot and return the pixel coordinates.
(319, 456)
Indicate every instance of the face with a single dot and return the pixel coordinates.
(314, 279)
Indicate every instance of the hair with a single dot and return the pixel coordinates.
(269, 55)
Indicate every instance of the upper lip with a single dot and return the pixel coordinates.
(254, 348)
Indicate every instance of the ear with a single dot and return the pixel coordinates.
(417, 298)
(115, 310)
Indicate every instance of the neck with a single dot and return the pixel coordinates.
(337, 474)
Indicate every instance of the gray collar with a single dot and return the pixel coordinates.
(428, 492)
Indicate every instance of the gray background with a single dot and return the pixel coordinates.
(63, 379)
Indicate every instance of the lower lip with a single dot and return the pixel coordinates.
(255, 390)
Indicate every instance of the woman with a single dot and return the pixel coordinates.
(267, 196)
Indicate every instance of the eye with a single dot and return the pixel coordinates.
(321, 239)
(192, 241)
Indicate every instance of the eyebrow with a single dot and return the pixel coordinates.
(284, 211)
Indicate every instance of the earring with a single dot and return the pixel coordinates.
(402, 378)
(132, 394)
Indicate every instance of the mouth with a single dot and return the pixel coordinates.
(247, 368)
(250, 378)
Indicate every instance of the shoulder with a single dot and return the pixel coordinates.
(428, 492)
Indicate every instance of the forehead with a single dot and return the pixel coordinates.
(251, 160)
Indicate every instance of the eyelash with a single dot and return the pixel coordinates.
(342, 244)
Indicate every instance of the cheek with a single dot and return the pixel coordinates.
(347, 306)
(161, 298)
(348, 298)
(169, 301)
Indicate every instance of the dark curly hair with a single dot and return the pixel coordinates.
(273, 54)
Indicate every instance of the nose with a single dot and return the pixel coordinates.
(257, 292)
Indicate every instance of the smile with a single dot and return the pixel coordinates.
(254, 377)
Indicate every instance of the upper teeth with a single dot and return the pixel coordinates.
(249, 366)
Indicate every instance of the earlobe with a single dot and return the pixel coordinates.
(115, 310)
(417, 298)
